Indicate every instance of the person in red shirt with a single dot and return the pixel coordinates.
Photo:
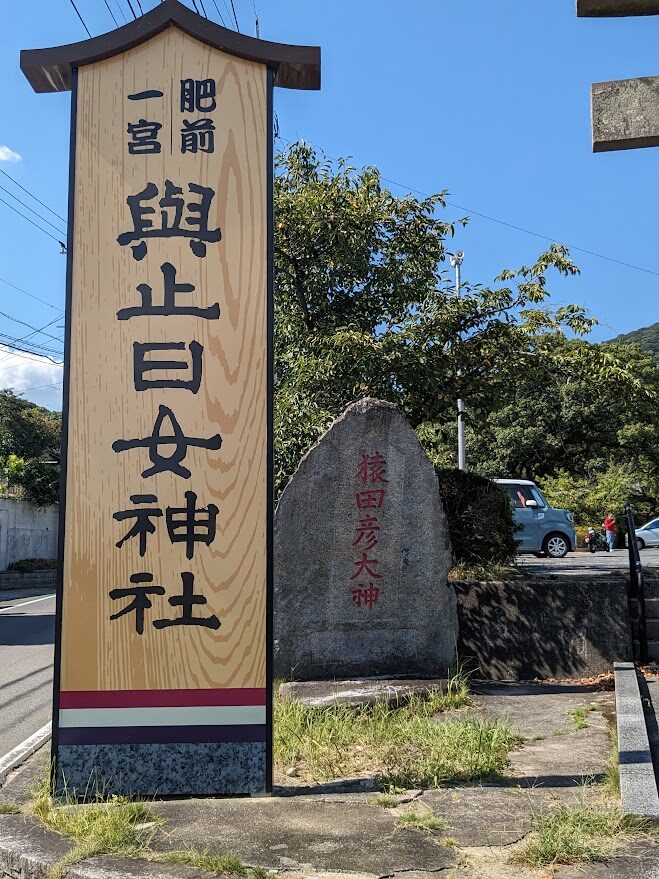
(609, 525)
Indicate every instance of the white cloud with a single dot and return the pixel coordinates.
(8, 155)
(34, 378)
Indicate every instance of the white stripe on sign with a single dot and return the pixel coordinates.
(208, 715)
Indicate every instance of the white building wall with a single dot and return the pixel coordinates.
(26, 532)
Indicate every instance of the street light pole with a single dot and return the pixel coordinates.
(456, 262)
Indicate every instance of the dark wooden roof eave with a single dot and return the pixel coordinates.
(49, 70)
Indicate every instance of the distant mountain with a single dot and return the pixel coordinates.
(646, 337)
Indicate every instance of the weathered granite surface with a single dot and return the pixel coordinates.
(625, 113)
(354, 602)
(203, 768)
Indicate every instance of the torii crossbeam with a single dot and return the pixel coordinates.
(625, 112)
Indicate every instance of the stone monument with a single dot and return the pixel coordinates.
(362, 554)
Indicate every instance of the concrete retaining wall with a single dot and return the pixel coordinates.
(26, 532)
(543, 628)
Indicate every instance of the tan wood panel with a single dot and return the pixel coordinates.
(99, 654)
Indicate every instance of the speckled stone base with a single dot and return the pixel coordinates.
(204, 769)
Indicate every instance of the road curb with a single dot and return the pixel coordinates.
(638, 786)
(20, 753)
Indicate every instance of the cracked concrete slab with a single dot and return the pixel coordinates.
(492, 815)
(304, 832)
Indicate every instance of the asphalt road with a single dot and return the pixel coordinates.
(580, 564)
(27, 627)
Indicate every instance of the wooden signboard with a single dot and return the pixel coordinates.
(163, 646)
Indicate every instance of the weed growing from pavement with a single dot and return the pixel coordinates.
(9, 809)
(425, 821)
(612, 772)
(118, 826)
(220, 863)
(579, 715)
(579, 835)
(386, 801)
(405, 745)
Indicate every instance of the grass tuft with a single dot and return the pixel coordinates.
(220, 863)
(581, 835)
(425, 821)
(9, 809)
(405, 745)
(386, 801)
(612, 773)
(579, 715)
(119, 826)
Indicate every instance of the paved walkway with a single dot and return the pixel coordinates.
(337, 830)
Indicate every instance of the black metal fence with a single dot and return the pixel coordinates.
(636, 589)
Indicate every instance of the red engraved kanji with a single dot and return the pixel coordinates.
(371, 499)
(372, 468)
(364, 565)
(367, 530)
(366, 595)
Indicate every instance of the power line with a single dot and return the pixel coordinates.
(40, 387)
(114, 19)
(32, 296)
(27, 207)
(30, 335)
(612, 259)
(22, 352)
(139, 6)
(45, 231)
(196, 8)
(80, 17)
(130, 5)
(121, 11)
(32, 195)
(219, 13)
(33, 345)
(226, 6)
(235, 17)
(30, 326)
(203, 8)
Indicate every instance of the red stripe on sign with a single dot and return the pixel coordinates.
(160, 698)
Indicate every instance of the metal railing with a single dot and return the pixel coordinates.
(636, 585)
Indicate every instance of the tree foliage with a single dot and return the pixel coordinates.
(27, 434)
(365, 306)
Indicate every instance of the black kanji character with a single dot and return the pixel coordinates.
(144, 138)
(186, 602)
(190, 524)
(172, 207)
(198, 95)
(142, 365)
(198, 136)
(142, 515)
(181, 443)
(140, 596)
(169, 306)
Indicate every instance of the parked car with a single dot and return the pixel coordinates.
(543, 529)
(648, 535)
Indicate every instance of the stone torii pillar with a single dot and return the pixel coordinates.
(625, 112)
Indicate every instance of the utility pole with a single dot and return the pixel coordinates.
(456, 262)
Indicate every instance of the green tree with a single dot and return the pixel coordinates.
(364, 306)
(27, 433)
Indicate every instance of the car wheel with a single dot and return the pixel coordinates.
(556, 546)
(640, 543)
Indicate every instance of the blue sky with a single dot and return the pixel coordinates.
(486, 98)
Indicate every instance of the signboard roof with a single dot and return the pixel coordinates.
(49, 70)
